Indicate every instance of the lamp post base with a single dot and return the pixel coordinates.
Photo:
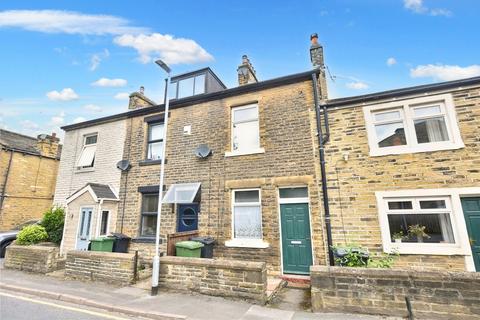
(154, 291)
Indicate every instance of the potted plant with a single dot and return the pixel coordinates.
(418, 231)
(398, 236)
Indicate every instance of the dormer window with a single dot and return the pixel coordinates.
(194, 83)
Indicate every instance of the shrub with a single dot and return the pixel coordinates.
(356, 256)
(31, 235)
(53, 221)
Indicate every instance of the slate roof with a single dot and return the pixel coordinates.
(22, 143)
(102, 191)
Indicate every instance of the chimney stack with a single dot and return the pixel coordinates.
(246, 72)
(139, 100)
(47, 145)
(317, 59)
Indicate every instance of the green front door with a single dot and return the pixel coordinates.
(471, 210)
(296, 240)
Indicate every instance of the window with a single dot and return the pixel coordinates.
(87, 157)
(104, 223)
(188, 87)
(247, 216)
(155, 141)
(415, 125)
(148, 223)
(245, 130)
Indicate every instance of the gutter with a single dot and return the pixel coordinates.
(5, 181)
(322, 139)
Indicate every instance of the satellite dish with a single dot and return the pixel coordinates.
(123, 165)
(203, 151)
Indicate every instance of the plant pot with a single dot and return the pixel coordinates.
(419, 239)
(398, 240)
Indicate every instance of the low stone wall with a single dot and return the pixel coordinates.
(433, 295)
(36, 258)
(225, 278)
(112, 267)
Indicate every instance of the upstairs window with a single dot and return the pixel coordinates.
(87, 157)
(155, 141)
(415, 125)
(245, 129)
(187, 87)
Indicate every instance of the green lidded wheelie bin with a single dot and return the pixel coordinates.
(104, 244)
(191, 249)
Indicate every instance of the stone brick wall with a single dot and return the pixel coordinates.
(287, 133)
(433, 295)
(352, 184)
(109, 151)
(232, 278)
(29, 189)
(110, 267)
(35, 258)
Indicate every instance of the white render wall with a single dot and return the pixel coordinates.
(111, 138)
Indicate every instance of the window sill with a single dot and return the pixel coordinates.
(145, 240)
(243, 153)
(441, 249)
(432, 147)
(84, 170)
(150, 162)
(245, 243)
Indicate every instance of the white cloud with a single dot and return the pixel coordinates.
(417, 6)
(92, 108)
(445, 72)
(96, 58)
(357, 85)
(79, 119)
(29, 125)
(122, 96)
(57, 120)
(105, 82)
(166, 47)
(70, 22)
(66, 94)
(391, 61)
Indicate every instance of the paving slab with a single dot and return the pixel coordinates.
(263, 313)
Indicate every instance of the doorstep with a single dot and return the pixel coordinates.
(297, 281)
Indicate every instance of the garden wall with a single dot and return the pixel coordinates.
(35, 258)
(433, 295)
(111, 267)
(225, 278)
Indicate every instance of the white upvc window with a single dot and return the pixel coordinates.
(87, 156)
(423, 221)
(413, 125)
(246, 219)
(245, 131)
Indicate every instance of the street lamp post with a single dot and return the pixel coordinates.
(156, 258)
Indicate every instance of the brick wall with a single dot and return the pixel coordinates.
(110, 267)
(433, 295)
(29, 189)
(233, 279)
(35, 258)
(109, 151)
(352, 184)
(287, 133)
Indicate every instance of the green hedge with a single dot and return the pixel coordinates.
(53, 221)
(31, 235)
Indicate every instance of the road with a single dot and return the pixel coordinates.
(14, 306)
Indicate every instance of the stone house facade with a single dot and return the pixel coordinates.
(281, 167)
(404, 158)
(28, 171)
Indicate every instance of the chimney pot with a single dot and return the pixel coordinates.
(246, 72)
(314, 39)
(142, 89)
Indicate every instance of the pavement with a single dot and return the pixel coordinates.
(137, 302)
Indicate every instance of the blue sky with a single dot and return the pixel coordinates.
(69, 61)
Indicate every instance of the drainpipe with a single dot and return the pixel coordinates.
(322, 139)
(5, 181)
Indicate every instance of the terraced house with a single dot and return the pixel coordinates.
(277, 172)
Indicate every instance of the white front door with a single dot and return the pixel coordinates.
(83, 234)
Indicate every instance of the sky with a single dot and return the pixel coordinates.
(64, 62)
